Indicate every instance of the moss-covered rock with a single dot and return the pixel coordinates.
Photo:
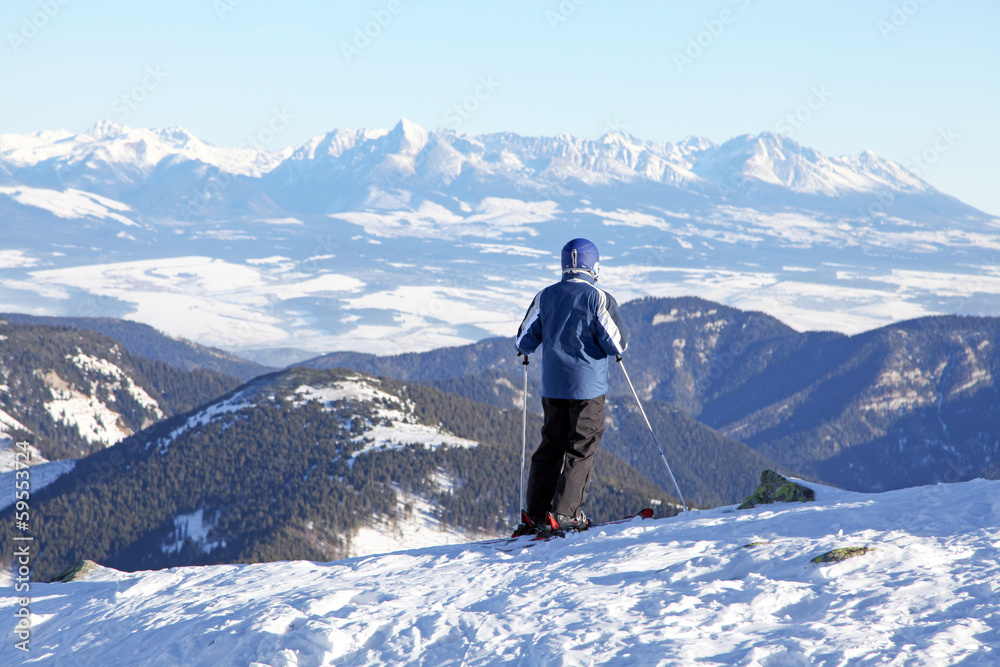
(754, 545)
(76, 572)
(843, 553)
(775, 488)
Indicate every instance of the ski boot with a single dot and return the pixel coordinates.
(561, 523)
(527, 526)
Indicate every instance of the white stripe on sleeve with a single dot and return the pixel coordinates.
(608, 322)
(529, 319)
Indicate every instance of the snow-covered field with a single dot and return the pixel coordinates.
(681, 591)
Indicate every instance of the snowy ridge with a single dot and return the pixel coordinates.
(409, 150)
(70, 203)
(720, 587)
(133, 152)
(241, 400)
(394, 426)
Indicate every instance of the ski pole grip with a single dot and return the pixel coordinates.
(618, 358)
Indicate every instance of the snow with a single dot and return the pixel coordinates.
(12, 259)
(70, 203)
(191, 527)
(354, 388)
(687, 590)
(414, 526)
(815, 306)
(41, 474)
(395, 425)
(396, 435)
(8, 423)
(93, 420)
(493, 217)
(135, 150)
(118, 377)
(504, 249)
(231, 300)
(235, 403)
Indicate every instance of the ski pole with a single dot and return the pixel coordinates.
(524, 428)
(650, 427)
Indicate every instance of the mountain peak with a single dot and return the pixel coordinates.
(692, 143)
(769, 141)
(618, 137)
(106, 129)
(411, 136)
(178, 136)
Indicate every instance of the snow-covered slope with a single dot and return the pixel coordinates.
(721, 587)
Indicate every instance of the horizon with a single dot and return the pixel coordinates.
(386, 130)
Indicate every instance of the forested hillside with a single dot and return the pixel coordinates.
(71, 391)
(910, 403)
(145, 341)
(291, 466)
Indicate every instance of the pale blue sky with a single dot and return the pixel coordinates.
(886, 75)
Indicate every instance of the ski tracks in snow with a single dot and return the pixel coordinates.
(717, 587)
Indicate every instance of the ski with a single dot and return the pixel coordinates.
(517, 542)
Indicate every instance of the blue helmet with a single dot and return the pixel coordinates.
(581, 255)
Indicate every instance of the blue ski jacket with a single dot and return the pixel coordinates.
(578, 327)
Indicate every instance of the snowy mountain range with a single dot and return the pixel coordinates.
(720, 587)
(409, 239)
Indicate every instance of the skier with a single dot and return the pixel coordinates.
(578, 327)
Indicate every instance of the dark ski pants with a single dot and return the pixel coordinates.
(561, 466)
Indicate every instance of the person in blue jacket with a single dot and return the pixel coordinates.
(578, 327)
